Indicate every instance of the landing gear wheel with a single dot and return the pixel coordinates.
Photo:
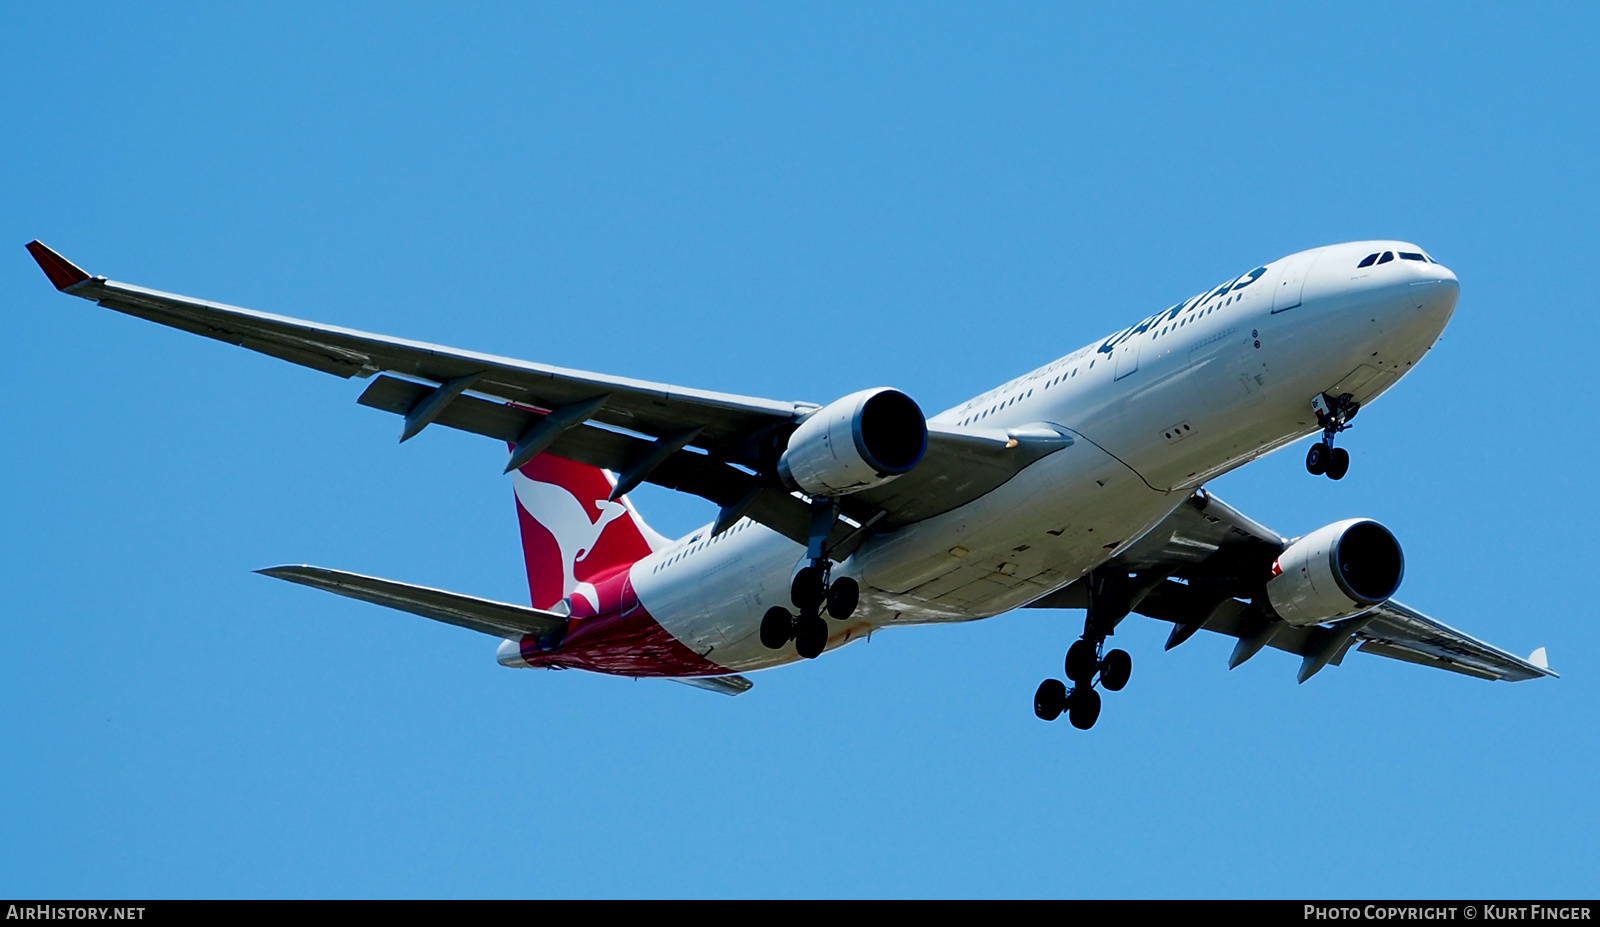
(1338, 464)
(1333, 416)
(1050, 700)
(842, 598)
(1114, 670)
(1080, 663)
(1083, 708)
(807, 588)
(776, 626)
(810, 636)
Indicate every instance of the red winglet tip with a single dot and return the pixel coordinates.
(62, 272)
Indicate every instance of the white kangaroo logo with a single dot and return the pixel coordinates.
(564, 516)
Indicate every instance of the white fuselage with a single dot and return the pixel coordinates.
(1156, 410)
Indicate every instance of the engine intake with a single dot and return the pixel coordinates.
(1336, 571)
(863, 440)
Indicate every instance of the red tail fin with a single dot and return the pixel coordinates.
(571, 533)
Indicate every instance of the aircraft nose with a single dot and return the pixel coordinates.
(1435, 290)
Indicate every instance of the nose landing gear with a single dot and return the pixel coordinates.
(1334, 416)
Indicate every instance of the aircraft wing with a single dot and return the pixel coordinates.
(1404, 633)
(1206, 559)
(651, 408)
(719, 446)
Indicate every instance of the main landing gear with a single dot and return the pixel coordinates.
(1111, 598)
(813, 595)
(1334, 416)
(812, 591)
(1082, 702)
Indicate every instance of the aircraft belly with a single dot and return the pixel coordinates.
(1046, 527)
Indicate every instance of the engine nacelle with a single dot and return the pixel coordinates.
(863, 440)
(1336, 571)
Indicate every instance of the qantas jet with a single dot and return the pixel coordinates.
(1076, 485)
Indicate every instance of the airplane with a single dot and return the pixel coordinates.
(1080, 485)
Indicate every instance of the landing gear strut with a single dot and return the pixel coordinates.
(813, 591)
(1111, 598)
(1334, 416)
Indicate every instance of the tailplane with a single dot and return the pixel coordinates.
(572, 534)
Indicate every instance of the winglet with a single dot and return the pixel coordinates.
(62, 272)
(1540, 659)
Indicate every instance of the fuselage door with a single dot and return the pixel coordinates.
(1292, 280)
(1127, 356)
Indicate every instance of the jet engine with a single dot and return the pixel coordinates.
(1340, 570)
(863, 440)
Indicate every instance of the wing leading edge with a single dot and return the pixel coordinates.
(718, 446)
(652, 408)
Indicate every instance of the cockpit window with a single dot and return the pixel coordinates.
(1368, 260)
(1387, 257)
(1412, 256)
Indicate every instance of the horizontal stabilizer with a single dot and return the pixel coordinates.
(494, 618)
(727, 685)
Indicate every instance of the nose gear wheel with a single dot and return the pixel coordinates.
(1334, 415)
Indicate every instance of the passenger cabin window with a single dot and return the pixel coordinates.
(1387, 257)
(1369, 260)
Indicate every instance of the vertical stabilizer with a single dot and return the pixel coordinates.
(572, 534)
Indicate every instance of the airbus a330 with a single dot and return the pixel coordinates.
(1077, 485)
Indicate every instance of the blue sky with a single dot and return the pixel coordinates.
(793, 201)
